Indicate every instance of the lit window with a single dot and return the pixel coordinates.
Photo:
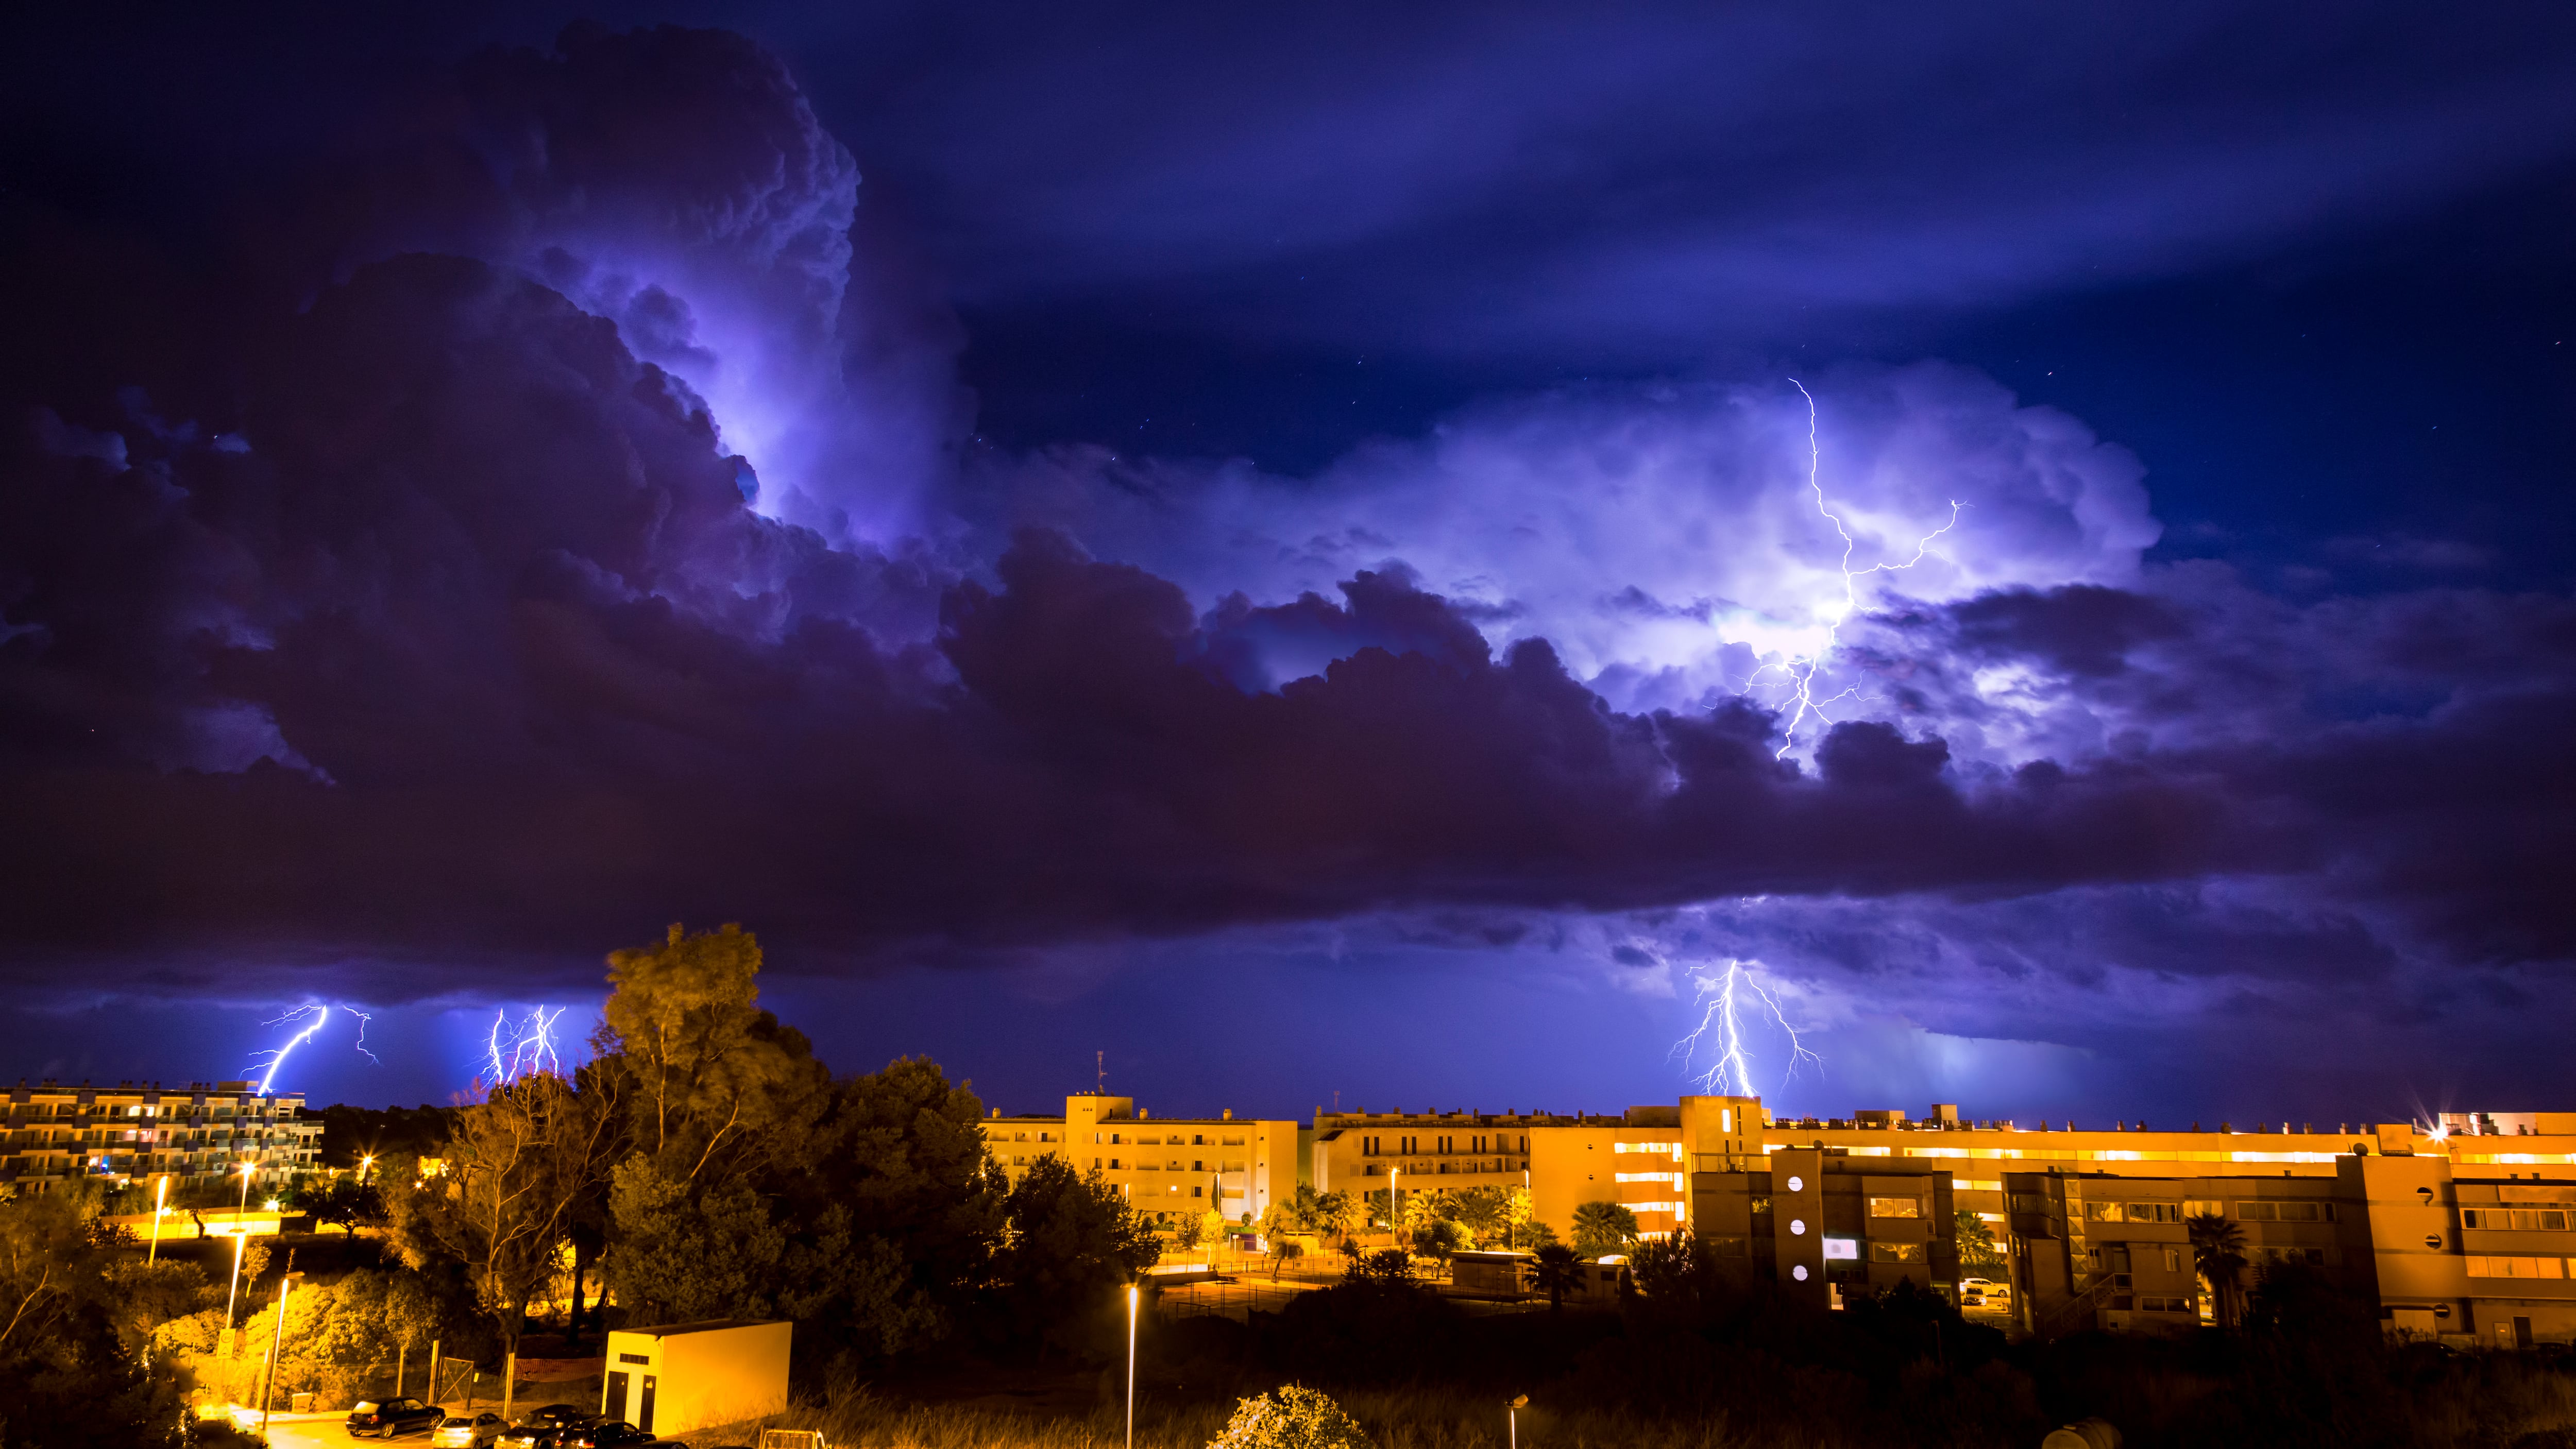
(1895, 1207)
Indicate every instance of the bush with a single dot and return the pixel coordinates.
(1291, 1418)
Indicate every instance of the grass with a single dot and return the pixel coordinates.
(1411, 1419)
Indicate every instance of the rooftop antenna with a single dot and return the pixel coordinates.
(1100, 1060)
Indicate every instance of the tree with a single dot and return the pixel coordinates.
(682, 1257)
(344, 1203)
(1189, 1230)
(1978, 1252)
(2218, 1251)
(1520, 1217)
(717, 1079)
(1603, 1227)
(1072, 1242)
(519, 1161)
(1291, 1418)
(1676, 1274)
(66, 1377)
(1386, 1268)
(1335, 1213)
(1485, 1212)
(1557, 1272)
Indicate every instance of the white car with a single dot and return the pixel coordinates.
(459, 1432)
(1986, 1289)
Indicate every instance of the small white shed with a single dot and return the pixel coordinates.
(685, 1376)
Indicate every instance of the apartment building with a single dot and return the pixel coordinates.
(207, 1130)
(1165, 1167)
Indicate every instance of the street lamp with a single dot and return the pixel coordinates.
(366, 1164)
(268, 1383)
(241, 1234)
(160, 1205)
(1513, 1410)
(235, 1293)
(1395, 1209)
(1131, 1366)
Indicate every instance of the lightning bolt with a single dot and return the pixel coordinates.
(1721, 1009)
(361, 1042)
(513, 1051)
(277, 1055)
(1799, 671)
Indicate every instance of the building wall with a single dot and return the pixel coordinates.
(1166, 1167)
(703, 1376)
(53, 1133)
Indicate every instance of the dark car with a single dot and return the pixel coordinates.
(605, 1434)
(537, 1428)
(384, 1418)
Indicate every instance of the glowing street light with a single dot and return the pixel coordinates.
(366, 1165)
(268, 1383)
(160, 1205)
(235, 1293)
(1131, 1365)
(1513, 1411)
(241, 1234)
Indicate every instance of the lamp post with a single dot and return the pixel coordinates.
(1395, 1210)
(160, 1204)
(366, 1165)
(1131, 1366)
(241, 1231)
(234, 1294)
(1513, 1411)
(268, 1381)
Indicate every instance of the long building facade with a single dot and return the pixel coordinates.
(2462, 1228)
(134, 1131)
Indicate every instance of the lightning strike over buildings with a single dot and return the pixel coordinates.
(276, 1056)
(1721, 1012)
(1800, 671)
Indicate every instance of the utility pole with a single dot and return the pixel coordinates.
(1131, 1366)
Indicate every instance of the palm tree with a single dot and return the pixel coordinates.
(1603, 1227)
(2218, 1251)
(1557, 1272)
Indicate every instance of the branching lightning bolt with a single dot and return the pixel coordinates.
(1721, 1007)
(277, 1055)
(361, 1042)
(1800, 671)
(528, 1046)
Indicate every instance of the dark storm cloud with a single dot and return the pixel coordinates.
(460, 630)
(363, 611)
(474, 589)
(1625, 182)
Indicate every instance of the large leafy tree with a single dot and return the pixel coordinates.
(1071, 1242)
(719, 1085)
(66, 1376)
(519, 1164)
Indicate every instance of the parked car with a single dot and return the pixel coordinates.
(1971, 1297)
(609, 1434)
(457, 1431)
(536, 1428)
(1985, 1287)
(387, 1417)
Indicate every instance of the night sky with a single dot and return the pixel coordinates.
(1285, 549)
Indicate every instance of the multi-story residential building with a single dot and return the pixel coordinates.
(54, 1133)
(1167, 1167)
(2454, 1228)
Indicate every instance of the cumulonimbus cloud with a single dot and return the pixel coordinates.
(425, 613)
